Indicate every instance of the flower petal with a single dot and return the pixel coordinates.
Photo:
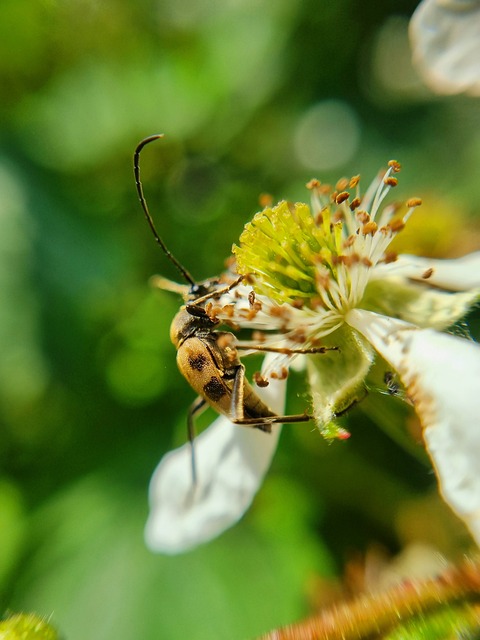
(459, 274)
(231, 463)
(445, 37)
(441, 373)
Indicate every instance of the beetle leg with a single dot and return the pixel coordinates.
(219, 292)
(198, 405)
(286, 350)
(237, 407)
(263, 423)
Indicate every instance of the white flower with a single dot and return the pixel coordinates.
(445, 37)
(325, 276)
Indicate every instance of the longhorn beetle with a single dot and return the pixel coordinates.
(206, 357)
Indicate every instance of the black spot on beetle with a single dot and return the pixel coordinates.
(198, 362)
(214, 389)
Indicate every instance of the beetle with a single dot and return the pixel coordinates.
(206, 356)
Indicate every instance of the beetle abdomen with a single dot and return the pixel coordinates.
(197, 361)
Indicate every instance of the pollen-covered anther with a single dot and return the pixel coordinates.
(265, 200)
(390, 181)
(298, 336)
(354, 180)
(248, 314)
(258, 336)
(389, 256)
(255, 304)
(394, 165)
(338, 216)
(322, 281)
(363, 216)
(427, 274)
(298, 303)
(313, 184)
(396, 225)
(280, 375)
(342, 184)
(355, 203)
(279, 312)
(366, 262)
(350, 241)
(229, 263)
(414, 202)
(228, 310)
(215, 310)
(259, 380)
(317, 303)
(347, 260)
(342, 196)
(369, 228)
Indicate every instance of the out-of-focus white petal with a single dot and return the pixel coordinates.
(231, 462)
(442, 376)
(445, 37)
(459, 274)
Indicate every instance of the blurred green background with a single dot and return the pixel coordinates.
(253, 97)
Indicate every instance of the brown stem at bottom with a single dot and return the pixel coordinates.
(369, 615)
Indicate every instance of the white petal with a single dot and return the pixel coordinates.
(442, 375)
(231, 463)
(459, 274)
(445, 37)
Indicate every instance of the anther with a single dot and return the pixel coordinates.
(228, 310)
(341, 197)
(396, 166)
(281, 375)
(259, 380)
(265, 200)
(390, 181)
(396, 225)
(390, 256)
(363, 216)
(354, 180)
(427, 274)
(414, 202)
(355, 203)
(298, 303)
(369, 228)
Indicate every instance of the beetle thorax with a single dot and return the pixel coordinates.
(185, 325)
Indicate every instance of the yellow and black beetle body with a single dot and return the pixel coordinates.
(207, 357)
(208, 360)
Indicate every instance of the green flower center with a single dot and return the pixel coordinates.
(283, 248)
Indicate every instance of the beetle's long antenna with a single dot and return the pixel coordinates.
(143, 202)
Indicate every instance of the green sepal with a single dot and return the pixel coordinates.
(337, 377)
